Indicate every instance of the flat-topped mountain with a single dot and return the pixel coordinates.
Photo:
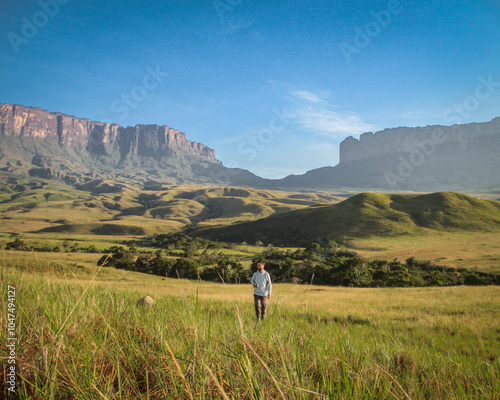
(112, 140)
(48, 144)
(458, 157)
(52, 145)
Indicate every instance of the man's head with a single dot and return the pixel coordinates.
(260, 265)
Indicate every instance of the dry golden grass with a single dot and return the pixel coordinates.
(163, 211)
(392, 303)
(479, 250)
(81, 333)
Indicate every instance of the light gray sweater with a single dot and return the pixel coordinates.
(262, 280)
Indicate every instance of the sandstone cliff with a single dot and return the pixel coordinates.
(57, 146)
(53, 145)
(98, 138)
(462, 157)
(459, 157)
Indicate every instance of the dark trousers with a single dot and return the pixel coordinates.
(260, 306)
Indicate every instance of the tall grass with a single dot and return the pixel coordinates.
(79, 340)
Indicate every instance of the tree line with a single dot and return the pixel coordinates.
(207, 266)
(329, 264)
(186, 257)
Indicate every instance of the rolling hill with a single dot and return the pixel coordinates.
(114, 207)
(365, 215)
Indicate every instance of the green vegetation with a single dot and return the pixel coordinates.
(329, 265)
(446, 228)
(184, 257)
(107, 207)
(340, 267)
(478, 251)
(80, 255)
(82, 337)
(366, 215)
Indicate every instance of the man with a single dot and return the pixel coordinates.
(261, 281)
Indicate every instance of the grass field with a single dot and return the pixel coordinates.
(472, 250)
(105, 213)
(46, 205)
(81, 336)
(368, 215)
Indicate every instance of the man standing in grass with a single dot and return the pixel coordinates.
(261, 281)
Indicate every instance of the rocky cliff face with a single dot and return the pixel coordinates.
(459, 157)
(433, 157)
(428, 140)
(115, 142)
(54, 145)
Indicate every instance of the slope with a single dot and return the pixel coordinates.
(366, 215)
(111, 207)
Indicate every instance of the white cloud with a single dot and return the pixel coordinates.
(324, 121)
(317, 115)
(310, 96)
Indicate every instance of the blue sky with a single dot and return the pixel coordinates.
(272, 86)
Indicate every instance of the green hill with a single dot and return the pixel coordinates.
(365, 215)
(129, 207)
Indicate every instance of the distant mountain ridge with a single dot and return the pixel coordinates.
(458, 157)
(97, 137)
(54, 145)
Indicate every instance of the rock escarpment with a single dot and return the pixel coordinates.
(98, 138)
(458, 157)
(55, 145)
(426, 158)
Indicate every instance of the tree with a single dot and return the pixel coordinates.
(119, 258)
(92, 249)
(185, 268)
(17, 244)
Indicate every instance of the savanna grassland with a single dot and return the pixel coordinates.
(102, 207)
(80, 336)
(477, 251)
(103, 213)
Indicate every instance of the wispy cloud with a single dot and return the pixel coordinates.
(310, 96)
(317, 115)
(332, 123)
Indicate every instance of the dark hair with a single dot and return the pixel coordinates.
(261, 261)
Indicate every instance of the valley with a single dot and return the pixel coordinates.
(448, 228)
